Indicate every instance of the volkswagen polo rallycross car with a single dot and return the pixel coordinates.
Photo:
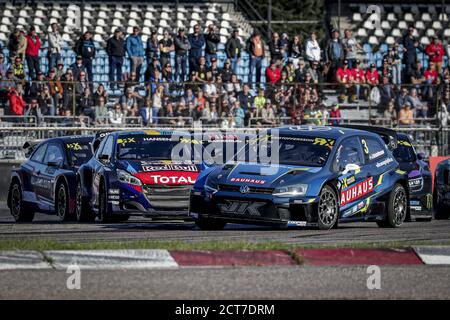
(135, 172)
(419, 178)
(442, 190)
(323, 175)
(46, 182)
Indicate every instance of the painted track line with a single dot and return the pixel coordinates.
(23, 259)
(436, 255)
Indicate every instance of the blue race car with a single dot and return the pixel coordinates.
(420, 179)
(441, 194)
(134, 172)
(45, 182)
(323, 175)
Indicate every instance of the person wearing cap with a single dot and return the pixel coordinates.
(334, 55)
(212, 40)
(410, 45)
(435, 52)
(255, 48)
(77, 67)
(372, 75)
(135, 51)
(166, 46)
(55, 44)
(351, 47)
(85, 48)
(344, 76)
(32, 52)
(233, 50)
(115, 48)
(182, 46)
(197, 41)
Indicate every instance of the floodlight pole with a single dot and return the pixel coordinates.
(269, 19)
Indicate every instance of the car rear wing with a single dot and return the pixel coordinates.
(29, 146)
(389, 136)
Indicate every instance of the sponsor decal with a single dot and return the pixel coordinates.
(416, 208)
(113, 197)
(384, 162)
(297, 223)
(376, 154)
(310, 128)
(169, 167)
(241, 207)
(404, 143)
(415, 183)
(414, 202)
(167, 177)
(125, 140)
(324, 142)
(357, 191)
(74, 146)
(248, 180)
(114, 191)
(156, 139)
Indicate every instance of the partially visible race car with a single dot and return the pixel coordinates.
(420, 178)
(45, 182)
(135, 172)
(323, 175)
(442, 190)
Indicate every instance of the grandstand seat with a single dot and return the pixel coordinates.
(148, 23)
(390, 40)
(420, 25)
(414, 9)
(369, 25)
(447, 33)
(409, 17)
(103, 15)
(8, 13)
(430, 33)
(398, 10)
(367, 48)
(391, 17)
(164, 24)
(385, 25)
(432, 9)
(357, 17)
(165, 16)
(424, 41)
(134, 15)
(22, 13)
(426, 17)
(396, 33)
(379, 33)
(373, 40)
(362, 32)
(132, 22)
(149, 15)
(437, 25)
(443, 17)
(402, 25)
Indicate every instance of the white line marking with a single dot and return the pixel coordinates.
(434, 259)
(20, 260)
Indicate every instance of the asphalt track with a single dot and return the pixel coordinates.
(139, 228)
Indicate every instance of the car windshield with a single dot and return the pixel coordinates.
(148, 147)
(404, 153)
(298, 151)
(79, 152)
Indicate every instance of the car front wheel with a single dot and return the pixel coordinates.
(397, 208)
(19, 210)
(328, 209)
(83, 209)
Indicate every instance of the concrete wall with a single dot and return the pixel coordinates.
(5, 174)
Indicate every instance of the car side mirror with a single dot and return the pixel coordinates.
(350, 167)
(421, 156)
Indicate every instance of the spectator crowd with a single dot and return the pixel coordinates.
(184, 81)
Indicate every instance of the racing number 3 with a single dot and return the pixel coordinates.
(365, 147)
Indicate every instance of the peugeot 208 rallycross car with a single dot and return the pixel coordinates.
(135, 172)
(323, 175)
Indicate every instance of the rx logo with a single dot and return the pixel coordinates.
(244, 189)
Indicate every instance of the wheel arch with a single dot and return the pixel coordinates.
(15, 177)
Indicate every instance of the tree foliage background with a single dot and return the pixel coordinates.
(294, 10)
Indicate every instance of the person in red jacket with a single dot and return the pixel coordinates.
(32, 52)
(16, 102)
(273, 73)
(435, 52)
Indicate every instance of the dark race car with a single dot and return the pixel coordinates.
(323, 175)
(420, 178)
(134, 172)
(442, 190)
(45, 182)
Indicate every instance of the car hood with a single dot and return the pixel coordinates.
(265, 175)
(161, 172)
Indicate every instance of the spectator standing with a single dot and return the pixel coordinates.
(16, 102)
(135, 50)
(387, 94)
(32, 53)
(335, 115)
(166, 46)
(85, 48)
(255, 48)
(55, 44)
(77, 67)
(313, 51)
(410, 44)
(13, 44)
(212, 40)
(23, 42)
(33, 110)
(351, 47)
(56, 88)
(233, 50)
(197, 41)
(46, 102)
(115, 48)
(334, 55)
(3, 66)
(276, 48)
(182, 47)
(296, 51)
(435, 52)
(152, 50)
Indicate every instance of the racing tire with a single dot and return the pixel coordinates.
(328, 209)
(210, 224)
(397, 208)
(83, 209)
(20, 211)
(103, 214)
(62, 208)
